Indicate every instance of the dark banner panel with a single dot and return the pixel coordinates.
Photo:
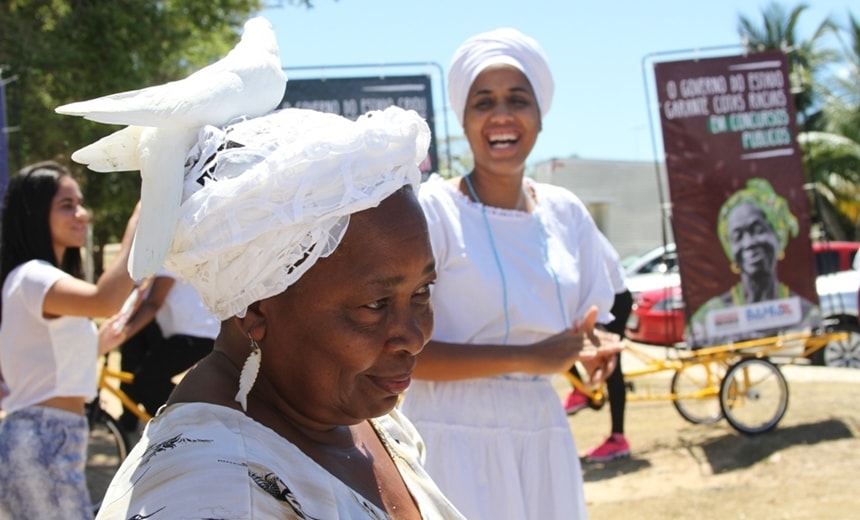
(352, 97)
(4, 142)
(739, 211)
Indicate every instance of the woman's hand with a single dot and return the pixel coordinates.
(596, 349)
(112, 332)
(600, 358)
(4, 390)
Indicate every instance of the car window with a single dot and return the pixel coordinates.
(672, 262)
(653, 261)
(651, 267)
(660, 264)
(826, 262)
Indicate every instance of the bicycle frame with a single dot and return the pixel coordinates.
(723, 356)
(107, 376)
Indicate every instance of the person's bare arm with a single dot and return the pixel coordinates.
(448, 361)
(149, 306)
(74, 297)
(441, 361)
(4, 390)
(111, 334)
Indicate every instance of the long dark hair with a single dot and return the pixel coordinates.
(25, 232)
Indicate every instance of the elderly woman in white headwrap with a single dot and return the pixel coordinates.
(520, 271)
(302, 233)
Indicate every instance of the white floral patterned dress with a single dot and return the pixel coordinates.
(204, 461)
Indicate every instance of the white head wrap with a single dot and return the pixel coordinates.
(265, 198)
(502, 46)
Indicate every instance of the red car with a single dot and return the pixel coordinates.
(657, 317)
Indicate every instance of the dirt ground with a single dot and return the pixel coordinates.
(807, 467)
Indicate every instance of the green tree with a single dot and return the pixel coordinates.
(806, 57)
(836, 151)
(843, 103)
(833, 168)
(830, 150)
(60, 51)
(461, 160)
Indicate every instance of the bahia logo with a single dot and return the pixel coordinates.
(768, 312)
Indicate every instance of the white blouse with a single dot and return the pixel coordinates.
(43, 357)
(542, 255)
(198, 460)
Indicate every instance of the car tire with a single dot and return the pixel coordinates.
(844, 353)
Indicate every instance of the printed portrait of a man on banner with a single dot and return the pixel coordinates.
(739, 211)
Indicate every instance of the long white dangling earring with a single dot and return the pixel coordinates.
(249, 374)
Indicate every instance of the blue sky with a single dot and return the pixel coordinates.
(596, 51)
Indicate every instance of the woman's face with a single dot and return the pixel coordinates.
(340, 344)
(755, 246)
(68, 217)
(502, 119)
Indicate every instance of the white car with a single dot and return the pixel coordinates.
(838, 295)
(655, 269)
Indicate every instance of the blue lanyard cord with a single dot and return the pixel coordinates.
(495, 255)
(544, 247)
(542, 233)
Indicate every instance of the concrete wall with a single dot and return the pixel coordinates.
(622, 196)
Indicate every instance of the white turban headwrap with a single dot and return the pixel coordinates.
(502, 46)
(265, 198)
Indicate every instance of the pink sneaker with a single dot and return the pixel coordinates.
(614, 447)
(575, 402)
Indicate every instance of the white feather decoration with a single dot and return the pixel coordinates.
(249, 374)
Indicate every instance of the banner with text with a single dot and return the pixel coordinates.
(352, 97)
(739, 211)
(4, 142)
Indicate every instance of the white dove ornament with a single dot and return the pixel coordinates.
(163, 122)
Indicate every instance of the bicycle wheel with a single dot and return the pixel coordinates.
(107, 448)
(754, 396)
(695, 392)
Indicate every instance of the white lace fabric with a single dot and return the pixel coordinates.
(265, 198)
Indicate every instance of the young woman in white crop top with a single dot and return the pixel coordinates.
(48, 342)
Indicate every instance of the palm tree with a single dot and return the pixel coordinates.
(833, 169)
(842, 103)
(806, 58)
(836, 152)
(827, 139)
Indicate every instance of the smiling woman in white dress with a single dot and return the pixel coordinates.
(520, 267)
